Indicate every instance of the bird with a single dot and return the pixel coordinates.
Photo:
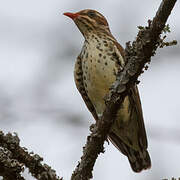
(96, 67)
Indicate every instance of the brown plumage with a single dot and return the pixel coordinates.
(95, 71)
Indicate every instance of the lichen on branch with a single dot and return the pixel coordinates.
(15, 158)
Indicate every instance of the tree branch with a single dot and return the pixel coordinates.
(136, 56)
(13, 157)
(9, 168)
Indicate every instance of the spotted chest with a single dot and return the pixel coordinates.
(99, 66)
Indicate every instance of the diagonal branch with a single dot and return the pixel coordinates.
(136, 56)
(19, 156)
(9, 168)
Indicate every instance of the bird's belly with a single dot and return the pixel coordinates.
(99, 75)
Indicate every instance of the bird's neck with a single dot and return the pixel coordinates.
(96, 44)
(97, 37)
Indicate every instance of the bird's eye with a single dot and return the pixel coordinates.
(91, 14)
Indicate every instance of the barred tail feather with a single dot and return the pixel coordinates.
(139, 160)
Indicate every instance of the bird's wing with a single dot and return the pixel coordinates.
(129, 123)
(78, 76)
(135, 108)
(135, 100)
(128, 132)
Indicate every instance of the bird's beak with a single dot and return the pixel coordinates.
(71, 15)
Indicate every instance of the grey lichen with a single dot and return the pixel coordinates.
(15, 158)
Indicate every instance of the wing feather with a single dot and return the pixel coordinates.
(78, 76)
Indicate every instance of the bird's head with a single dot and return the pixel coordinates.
(89, 22)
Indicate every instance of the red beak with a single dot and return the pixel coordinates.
(71, 15)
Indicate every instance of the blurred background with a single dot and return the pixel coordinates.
(38, 98)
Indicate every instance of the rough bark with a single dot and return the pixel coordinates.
(13, 159)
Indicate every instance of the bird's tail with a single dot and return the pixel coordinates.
(139, 160)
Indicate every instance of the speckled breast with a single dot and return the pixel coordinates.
(98, 71)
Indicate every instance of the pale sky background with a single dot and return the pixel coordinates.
(39, 101)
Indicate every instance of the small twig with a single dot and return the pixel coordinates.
(137, 55)
(30, 160)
